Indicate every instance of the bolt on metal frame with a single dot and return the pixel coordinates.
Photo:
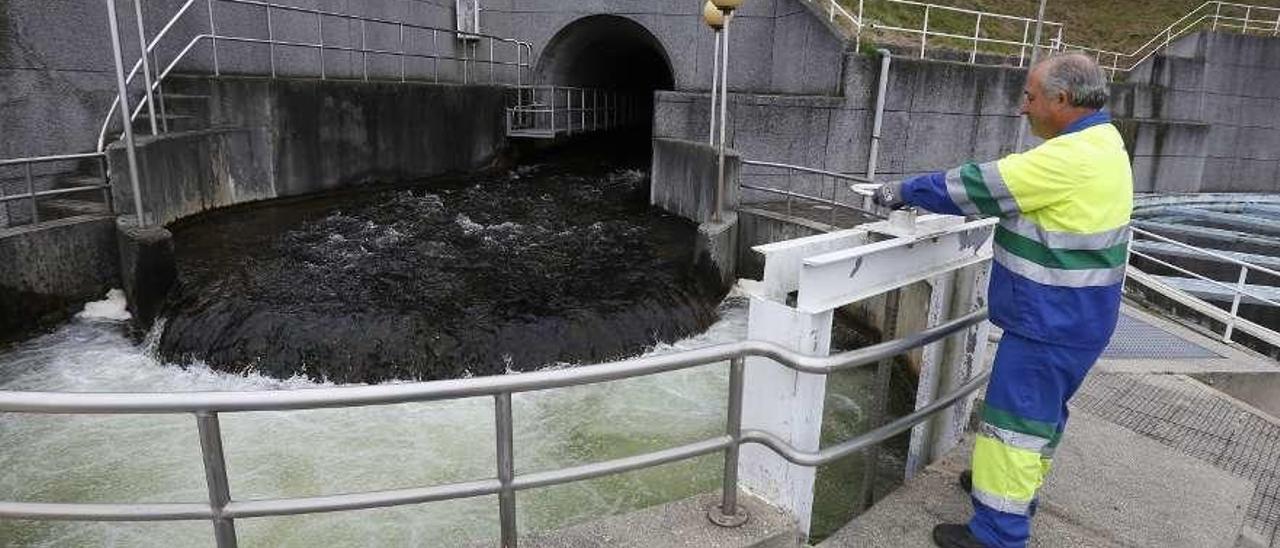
(223, 509)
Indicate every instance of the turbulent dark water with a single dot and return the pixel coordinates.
(547, 263)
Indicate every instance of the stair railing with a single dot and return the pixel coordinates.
(477, 49)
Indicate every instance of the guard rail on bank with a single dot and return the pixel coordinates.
(27, 165)
(223, 509)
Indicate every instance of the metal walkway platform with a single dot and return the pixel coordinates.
(1152, 457)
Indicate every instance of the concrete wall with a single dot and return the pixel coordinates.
(1206, 116)
(938, 114)
(50, 269)
(684, 176)
(288, 138)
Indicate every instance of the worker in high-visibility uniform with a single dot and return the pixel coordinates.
(1060, 252)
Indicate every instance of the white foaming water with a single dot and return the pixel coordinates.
(113, 307)
(143, 458)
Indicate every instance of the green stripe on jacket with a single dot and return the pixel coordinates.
(1063, 259)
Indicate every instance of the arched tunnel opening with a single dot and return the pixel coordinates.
(609, 52)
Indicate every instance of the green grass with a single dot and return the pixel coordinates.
(1105, 24)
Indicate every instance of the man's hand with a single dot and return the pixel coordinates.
(889, 195)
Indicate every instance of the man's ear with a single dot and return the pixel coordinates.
(1061, 99)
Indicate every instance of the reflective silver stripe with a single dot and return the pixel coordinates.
(999, 503)
(1019, 440)
(1066, 240)
(955, 189)
(1093, 277)
(998, 189)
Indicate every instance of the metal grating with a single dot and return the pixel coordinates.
(1135, 338)
(1183, 415)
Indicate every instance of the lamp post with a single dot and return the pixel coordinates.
(714, 19)
(726, 6)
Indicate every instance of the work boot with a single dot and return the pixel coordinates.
(966, 481)
(955, 535)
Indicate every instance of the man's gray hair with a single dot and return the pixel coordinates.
(1079, 77)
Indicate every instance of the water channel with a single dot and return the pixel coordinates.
(304, 453)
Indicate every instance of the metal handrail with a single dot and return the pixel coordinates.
(1239, 290)
(223, 510)
(523, 56)
(32, 194)
(789, 192)
(1160, 40)
(1181, 27)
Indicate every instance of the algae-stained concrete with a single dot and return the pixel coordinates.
(49, 269)
(288, 138)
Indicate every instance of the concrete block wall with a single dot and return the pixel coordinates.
(49, 271)
(1207, 115)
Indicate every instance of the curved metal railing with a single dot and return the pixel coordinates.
(1231, 320)
(222, 509)
(523, 51)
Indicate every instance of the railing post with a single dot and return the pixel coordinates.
(1276, 30)
(215, 475)
(364, 52)
(31, 193)
(506, 468)
(1235, 304)
(126, 121)
(320, 31)
(857, 35)
(977, 30)
(213, 30)
(728, 513)
(271, 37)
(924, 33)
(1248, 10)
(146, 65)
(490, 60)
(435, 57)
(790, 189)
(1216, 13)
(401, 25)
(1022, 49)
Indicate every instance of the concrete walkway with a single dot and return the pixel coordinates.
(1152, 457)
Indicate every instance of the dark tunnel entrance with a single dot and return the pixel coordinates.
(609, 52)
